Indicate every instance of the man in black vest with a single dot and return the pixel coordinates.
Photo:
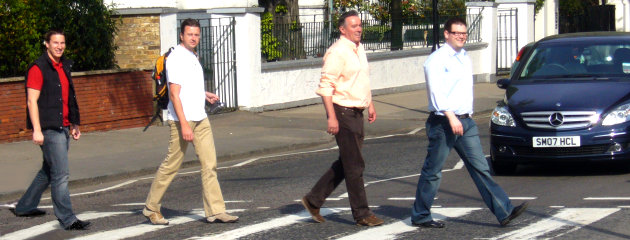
(53, 115)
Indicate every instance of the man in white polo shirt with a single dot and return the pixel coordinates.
(189, 123)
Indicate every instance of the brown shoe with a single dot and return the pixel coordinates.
(156, 218)
(313, 211)
(370, 221)
(222, 218)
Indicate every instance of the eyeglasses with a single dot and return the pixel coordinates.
(459, 34)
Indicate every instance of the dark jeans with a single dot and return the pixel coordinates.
(349, 166)
(54, 172)
(468, 146)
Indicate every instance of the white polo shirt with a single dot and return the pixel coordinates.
(183, 68)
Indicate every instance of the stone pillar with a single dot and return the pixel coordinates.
(248, 59)
(547, 20)
(168, 31)
(622, 14)
(486, 69)
(525, 18)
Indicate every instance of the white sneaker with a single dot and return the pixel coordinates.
(222, 218)
(156, 218)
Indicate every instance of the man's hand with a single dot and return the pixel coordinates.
(187, 132)
(38, 137)
(333, 126)
(456, 125)
(211, 97)
(75, 132)
(371, 113)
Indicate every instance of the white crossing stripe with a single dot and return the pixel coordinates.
(270, 224)
(571, 218)
(607, 198)
(138, 230)
(390, 231)
(523, 198)
(54, 225)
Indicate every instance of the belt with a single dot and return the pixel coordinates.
(460, 116)
(349, 108)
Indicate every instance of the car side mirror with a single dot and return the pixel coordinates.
(503, 83)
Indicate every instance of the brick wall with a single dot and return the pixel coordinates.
(108, 100)
(138, 41)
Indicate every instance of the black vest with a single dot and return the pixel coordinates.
(50, 103)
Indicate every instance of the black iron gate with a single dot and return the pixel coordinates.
(217, 55)
(593, 18)
(507, 39)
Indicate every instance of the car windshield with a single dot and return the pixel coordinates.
(578, 60)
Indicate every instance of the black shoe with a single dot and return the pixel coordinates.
(78, 225)
(429, 224)
(515, 213)
(33, 213)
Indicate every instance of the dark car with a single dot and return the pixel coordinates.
(521, 53)
(568, 100)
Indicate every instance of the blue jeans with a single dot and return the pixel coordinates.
(468, 146)
(54, 172)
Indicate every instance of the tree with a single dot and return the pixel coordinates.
(88, 25)
(286, 28)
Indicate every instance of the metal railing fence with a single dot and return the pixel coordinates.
(217, 55)
(507, 39)
(310, 38)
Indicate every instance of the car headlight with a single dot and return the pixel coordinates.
(618, 115)
(501, 116)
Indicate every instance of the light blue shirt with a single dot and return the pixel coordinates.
(449, 81)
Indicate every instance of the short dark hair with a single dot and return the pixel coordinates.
(52, 32)
(189, 22)
(342, 19)
(454, 20)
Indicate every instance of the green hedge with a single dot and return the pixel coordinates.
(88, 24)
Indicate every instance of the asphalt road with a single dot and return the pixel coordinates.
(567, 201)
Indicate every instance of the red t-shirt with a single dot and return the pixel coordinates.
(36, 81)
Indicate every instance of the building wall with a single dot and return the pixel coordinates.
(292, 84)
(138, 41)
(108, 100)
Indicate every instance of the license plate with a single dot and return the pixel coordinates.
(564, 141)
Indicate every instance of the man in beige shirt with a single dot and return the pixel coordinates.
(345, 91)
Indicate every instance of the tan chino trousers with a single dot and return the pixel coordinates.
(203, 142)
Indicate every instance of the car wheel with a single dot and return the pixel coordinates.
(503, 168)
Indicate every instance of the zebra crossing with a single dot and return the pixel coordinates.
(556, 222)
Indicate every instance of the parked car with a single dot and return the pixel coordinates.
(568, 100)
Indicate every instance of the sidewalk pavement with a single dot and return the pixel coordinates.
(105, 156)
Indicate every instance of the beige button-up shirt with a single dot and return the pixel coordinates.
(345, 75)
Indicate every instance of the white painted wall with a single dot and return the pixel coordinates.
(210, 4)
(546, 20)
(488, 56)
(248, 74)
(168, 31)
(181, 4)
(141, 3)
(622, 14)
(295, 84)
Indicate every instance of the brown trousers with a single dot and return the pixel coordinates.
(349, 165)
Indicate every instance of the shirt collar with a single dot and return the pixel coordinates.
(451, 52)
(349, 43)
(56, 65)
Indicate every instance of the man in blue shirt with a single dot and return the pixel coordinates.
(448, 73)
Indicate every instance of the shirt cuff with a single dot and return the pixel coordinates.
(325, 92)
